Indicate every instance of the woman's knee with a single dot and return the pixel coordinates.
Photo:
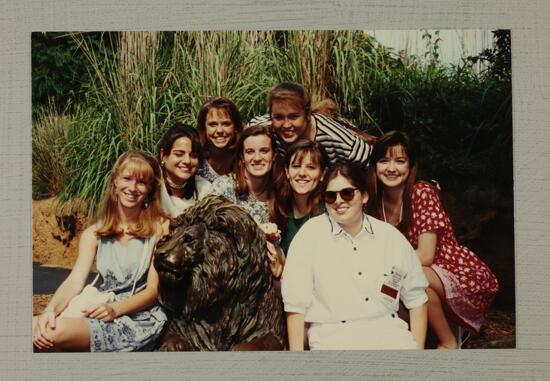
(70, 333)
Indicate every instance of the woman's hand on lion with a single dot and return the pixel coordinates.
(272, 233)
(276, 259)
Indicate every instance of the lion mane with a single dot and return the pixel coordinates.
(215, 282)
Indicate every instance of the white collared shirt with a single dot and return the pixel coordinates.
(331, 277)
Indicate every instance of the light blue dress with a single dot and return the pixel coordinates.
(225, 186)
(118, 266)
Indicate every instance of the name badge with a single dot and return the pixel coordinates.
(389, 291)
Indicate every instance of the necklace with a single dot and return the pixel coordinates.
(174, 185)
(257, 196)
(384, 210)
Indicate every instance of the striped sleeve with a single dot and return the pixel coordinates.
(341, 143)
(260, 120)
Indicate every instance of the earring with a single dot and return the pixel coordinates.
(116, 196)
(162, 164)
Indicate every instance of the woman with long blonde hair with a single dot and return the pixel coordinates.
(121, 239)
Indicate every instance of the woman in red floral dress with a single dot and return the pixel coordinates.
(456, 275)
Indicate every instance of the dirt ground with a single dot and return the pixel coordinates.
(55, 233)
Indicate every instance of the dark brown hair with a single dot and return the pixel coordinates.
(181, 130)
(234, 114)
(388, 140)
(240, 177)
(284, 194)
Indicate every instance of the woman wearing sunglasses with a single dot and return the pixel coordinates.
(462, 287)
(346, 273)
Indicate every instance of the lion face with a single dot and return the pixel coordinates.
(215, 280)
(208, 256)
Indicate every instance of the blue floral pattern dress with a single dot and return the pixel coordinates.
(118, 266)
(225, 186)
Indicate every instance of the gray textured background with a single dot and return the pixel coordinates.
(529, 22)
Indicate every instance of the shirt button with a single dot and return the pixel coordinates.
(366, 299)
(392, 315)
(343, 321)
(354, 249)
(359, 273)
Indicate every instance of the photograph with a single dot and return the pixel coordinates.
(253, 190)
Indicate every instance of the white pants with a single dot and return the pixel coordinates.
(381, 333)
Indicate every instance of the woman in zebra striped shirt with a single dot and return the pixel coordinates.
(292, 117)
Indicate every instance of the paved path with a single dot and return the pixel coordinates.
(47, 279)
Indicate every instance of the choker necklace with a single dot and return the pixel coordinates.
(174, 185)
(384, 210)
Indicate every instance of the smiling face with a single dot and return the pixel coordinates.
(393, 169)
(220, 129)
(303, 173)
(131, 187)
(348, 214)
(257, 155)
(289, 120)
(181, 163)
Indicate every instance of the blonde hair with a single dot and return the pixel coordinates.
(145, 167)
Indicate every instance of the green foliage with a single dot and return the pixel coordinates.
(59, 70)
(138, 84)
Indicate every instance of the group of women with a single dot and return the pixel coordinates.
(299, 172)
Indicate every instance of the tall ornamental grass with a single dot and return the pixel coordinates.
(143, 82)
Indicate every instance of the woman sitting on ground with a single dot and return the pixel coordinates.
(346, 273)
(219, 124)
(122, 239)
(180, 154)
(458, 279)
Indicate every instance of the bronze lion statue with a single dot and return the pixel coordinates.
(215, 282)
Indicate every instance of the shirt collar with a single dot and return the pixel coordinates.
(336, 229)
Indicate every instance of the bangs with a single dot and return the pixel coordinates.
(139, 168)
(396, 151)
(301, 155)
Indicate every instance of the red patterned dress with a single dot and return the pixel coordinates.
(468, 284)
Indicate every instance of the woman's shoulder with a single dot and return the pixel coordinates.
(223, 185)
(224, 181)
(423, 189)
(316, 223)
(203, 185)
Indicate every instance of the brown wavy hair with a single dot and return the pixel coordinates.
(283, 198)
(239, 174)
(388, 140)
(145, 167)
(234, 114)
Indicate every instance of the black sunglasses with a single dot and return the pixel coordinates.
(346, 194)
